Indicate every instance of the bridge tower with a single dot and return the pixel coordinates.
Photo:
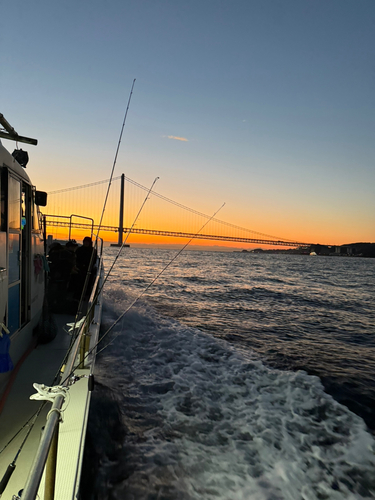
(121, 214)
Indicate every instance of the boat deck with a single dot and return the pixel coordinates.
(41, 366)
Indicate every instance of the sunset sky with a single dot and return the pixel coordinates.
(265, 105)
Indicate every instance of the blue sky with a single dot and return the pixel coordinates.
(274, 98)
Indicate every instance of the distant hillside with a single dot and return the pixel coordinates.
(364, 249)
(350, 249)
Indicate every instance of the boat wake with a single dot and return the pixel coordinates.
(179, 414)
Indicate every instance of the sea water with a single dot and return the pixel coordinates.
(234, 376)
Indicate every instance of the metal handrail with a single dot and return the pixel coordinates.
(36, 471)
(35, 474)
(101, 246)
(81, 217)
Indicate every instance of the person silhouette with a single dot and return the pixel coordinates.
(85, 262)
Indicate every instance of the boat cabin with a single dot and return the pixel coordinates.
(21, 261)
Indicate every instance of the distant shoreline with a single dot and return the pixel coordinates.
(366, 250)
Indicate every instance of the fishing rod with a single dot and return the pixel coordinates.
(115, 159)
(91, 263)
(12, 466)
(105, 280)
(79, 315)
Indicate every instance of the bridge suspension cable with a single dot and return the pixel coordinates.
(83, 186)
(260, 237)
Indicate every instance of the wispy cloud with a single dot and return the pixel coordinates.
(178, 138)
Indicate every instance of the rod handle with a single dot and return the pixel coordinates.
(4, 482)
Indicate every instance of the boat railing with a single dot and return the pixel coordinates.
(46, 455)
(99, 248)
(67, 221)
(91, 319)
(80, 217)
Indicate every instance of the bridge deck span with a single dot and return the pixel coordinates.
(201, 236)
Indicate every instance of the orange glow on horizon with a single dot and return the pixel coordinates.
(160, 214)
(144, 239)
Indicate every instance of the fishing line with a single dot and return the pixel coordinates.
(148, 287)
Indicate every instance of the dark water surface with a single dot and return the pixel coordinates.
(236, 376)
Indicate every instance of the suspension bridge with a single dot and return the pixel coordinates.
(160, 219)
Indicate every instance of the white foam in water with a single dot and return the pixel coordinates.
(219, 424)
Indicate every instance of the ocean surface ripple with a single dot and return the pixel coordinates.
(236, 376)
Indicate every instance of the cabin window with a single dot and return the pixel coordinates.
(14, 204)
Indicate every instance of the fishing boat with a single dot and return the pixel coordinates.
(46, 357)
